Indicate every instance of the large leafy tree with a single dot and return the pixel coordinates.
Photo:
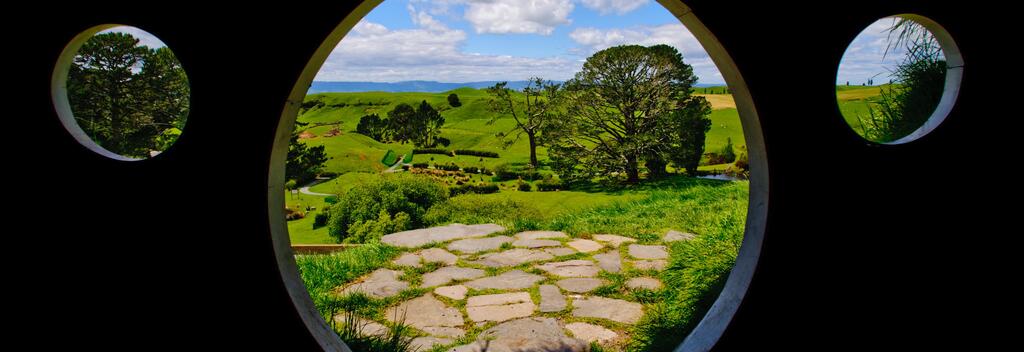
(629, 105)
(428, 123)
(304, 162)
(532, 114)
(374, 127)
(127, 97)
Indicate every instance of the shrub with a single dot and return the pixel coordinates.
(370, 231)
(390, 158)
(393, 194)
(524, 187)
(293, 214)
(548, 185)
(727, 152)
(453, 100)
(330, 174)
(478, 189)
(408, 158)
(470, 209)
(479, 153)
(331, 199)
(447, 167)
(430, 151)
(420, 165)
(475, 170)
(405, 167)
(320, 220)
(506, 172)
(290, 185)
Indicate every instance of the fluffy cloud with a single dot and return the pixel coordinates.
(372, 52)
(866, 57)
(593, 39)
(618, 6)
(518, 16)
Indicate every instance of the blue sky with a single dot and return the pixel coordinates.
(485, 40)
(866, 58)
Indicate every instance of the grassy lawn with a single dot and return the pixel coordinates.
(854, 101)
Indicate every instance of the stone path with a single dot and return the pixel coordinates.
(516, 287)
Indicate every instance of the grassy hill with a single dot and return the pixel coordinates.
(854, 101)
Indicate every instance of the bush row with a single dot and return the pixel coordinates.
(471, 188)
(479, 153)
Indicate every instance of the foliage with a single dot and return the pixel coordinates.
(373, 126)
(320, 219)
(390, 158)
(476, 170)
(303, 162)
(689, 133)
(547, 185)
(390, 194)
(430, 122)
(453, 100)
(727, 152)
(293, 214)
(420, 165)
(629, 104)
(524, 187)
(480, 153)
(431, 151)
(323, 272)
(397, 338)
(505, 172)
(903, 108)
(475, 210)
(532, 116)
(472, 188)
(447, 167)
(401, 123)
(125, 95)
(370, 231)
(290, 185)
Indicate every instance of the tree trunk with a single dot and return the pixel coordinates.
(632, 169)
(533, 149)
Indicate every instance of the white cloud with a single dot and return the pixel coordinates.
(620, 7)
(373, 52)
(676, 35)
(145, 38)
(518, 16)
(866, 56)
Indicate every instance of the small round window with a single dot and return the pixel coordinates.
(898, 79)
(121, 92)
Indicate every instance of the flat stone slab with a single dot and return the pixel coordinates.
(658, 265)
(512, 257)
(607, 308)
(476, 245)
(510, 280)
(591, 332)
(365, 326)
(536, 235)
(456, 292)
(640, 251)
(610, 262)
(420, 237)
(438, 255)
(551, 299)
(647, 283)
(409, 259)
(560, 251)
(448, 274)
(585, 246)
(444, 331)
(613, 240)
(425, 312)
(676, 236)
(425, 343)
(571, 268)
(580, 285)
(499, 307)
(525, 334)
(381, 283)
(536, 243)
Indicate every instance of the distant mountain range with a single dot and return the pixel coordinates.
(416, 86)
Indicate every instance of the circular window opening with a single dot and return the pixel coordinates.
(425, 181)
(121, 92)
(898, 79)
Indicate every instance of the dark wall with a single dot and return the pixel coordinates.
(867, 245)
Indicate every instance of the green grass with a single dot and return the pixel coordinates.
(725, 123)
(322, 273)
(854, 101)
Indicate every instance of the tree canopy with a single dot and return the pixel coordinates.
(532, 114)
(629, 105)
(126, 96)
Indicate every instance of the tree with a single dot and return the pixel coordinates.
(532, 114)
(727, 151)
(373, 126)
(453, 100)
(124, 95)
(428, 123)
(400, 123)
(902, 108)
(628, 105)
(303, 163)
(688, 133)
